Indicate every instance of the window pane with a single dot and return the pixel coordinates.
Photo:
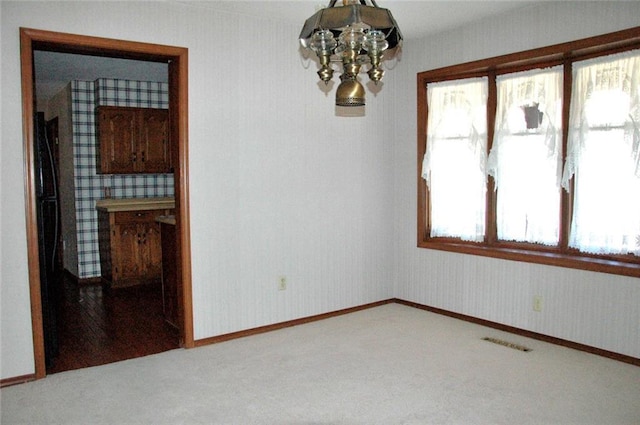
(528, 199)
(458, 191)
(603, 155)
(525, 156)
(606, 217)
(455, 158)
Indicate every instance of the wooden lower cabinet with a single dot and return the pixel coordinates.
(130, 247)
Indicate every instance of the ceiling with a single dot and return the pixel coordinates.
(415, 19)
(53, 71)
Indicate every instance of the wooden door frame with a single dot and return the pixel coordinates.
(177, 58)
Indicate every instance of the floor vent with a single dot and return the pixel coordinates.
(507, 344)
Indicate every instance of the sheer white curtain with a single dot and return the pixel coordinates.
(525, 158)
(603, 155)
(454, 165)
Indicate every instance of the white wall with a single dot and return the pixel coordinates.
(596, 309)
(279, 184)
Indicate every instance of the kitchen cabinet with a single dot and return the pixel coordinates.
(132, 140)
(130, 244)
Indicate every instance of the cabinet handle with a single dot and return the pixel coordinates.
(143, 160)
(134, 157)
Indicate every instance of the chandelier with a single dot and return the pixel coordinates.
(354, 35)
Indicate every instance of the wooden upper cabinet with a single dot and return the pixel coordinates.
(132, 140)
(153, 144)
(117, 140)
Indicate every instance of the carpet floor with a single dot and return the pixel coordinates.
(391, 364)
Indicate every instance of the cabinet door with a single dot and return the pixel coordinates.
(126, 253)
(153, 142)
(117, 140)
(151, 251)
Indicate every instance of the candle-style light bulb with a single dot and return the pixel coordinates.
(375, 44)
(323, 43)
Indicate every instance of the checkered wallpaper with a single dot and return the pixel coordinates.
(89, 186)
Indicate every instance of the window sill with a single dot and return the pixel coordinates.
(600, 265)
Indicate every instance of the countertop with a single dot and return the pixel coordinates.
(135, 204)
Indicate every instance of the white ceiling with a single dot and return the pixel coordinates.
(415, 19)
(54, 70)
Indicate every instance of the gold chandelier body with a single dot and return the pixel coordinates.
(353, 34)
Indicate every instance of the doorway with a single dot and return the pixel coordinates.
(176, 58)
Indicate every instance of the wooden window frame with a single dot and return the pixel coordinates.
(559, 54)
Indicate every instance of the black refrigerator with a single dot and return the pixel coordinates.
(48, 216)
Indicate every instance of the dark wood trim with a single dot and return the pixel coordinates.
(17, 380)
(506, 328)
(179, 119)
(268, 328)
(33, 262)
(422, 197)
(540, 57)
(287, 324)
(177, 57)
(99, 46)
(537, 257)
(491, 229)
(529, 334)
(566, 200)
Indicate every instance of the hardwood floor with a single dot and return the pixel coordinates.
(98, 326)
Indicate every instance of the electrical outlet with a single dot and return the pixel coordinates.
(537, 303)
(282, 283)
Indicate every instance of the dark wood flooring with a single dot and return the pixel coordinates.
(98, 326)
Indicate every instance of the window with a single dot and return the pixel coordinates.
(537, 162)
(603, 157)
(525, 156)
(455, 158)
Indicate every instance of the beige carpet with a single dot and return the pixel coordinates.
(387, 365)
